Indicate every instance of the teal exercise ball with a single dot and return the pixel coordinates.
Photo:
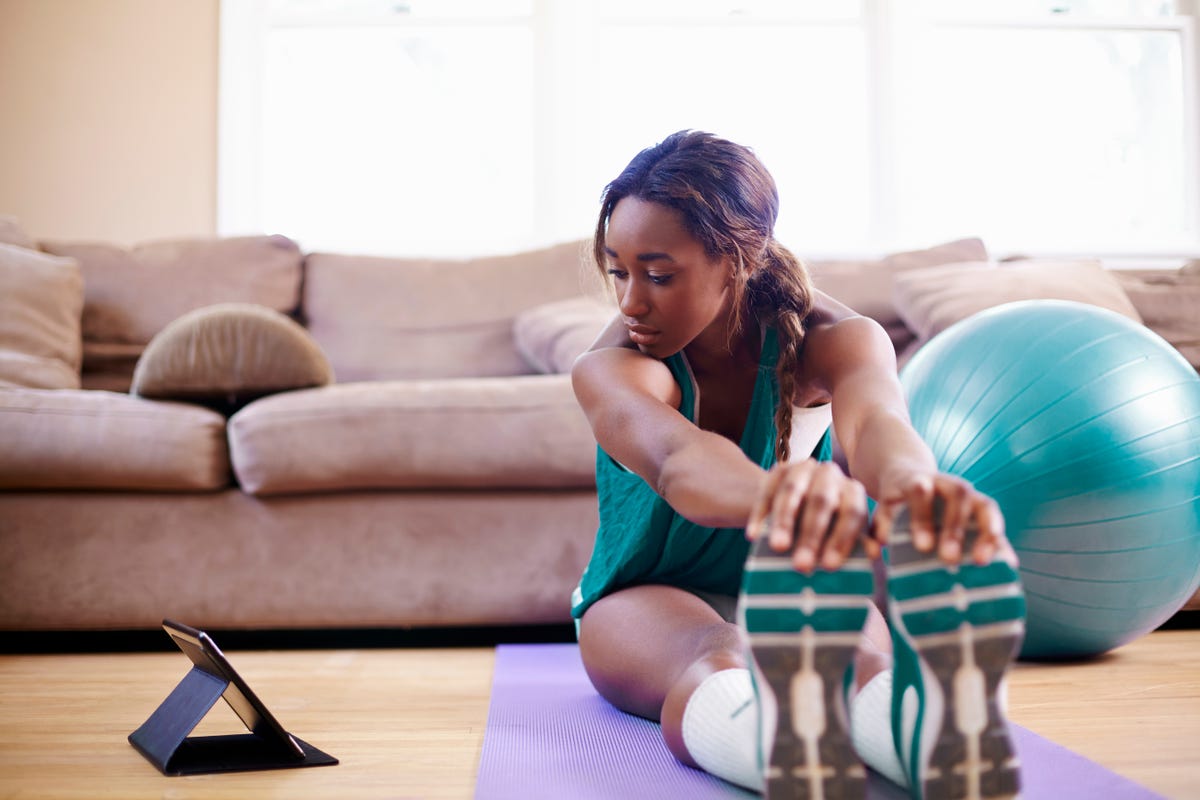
(1085, 428)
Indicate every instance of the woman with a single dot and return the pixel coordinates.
(690, 395)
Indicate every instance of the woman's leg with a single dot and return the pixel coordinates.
(647, 648)
(875, 653)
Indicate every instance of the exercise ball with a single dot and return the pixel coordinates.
(1085, 428)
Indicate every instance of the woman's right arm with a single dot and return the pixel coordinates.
(631, 402)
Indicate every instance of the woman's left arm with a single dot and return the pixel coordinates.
(853, 359)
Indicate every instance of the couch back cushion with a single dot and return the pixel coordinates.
(390, 318)
(1169, 303)
(866, 285)
(130, 294)
(40, 301)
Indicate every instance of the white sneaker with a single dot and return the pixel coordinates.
(955, 631)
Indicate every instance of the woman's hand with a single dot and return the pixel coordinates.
(813, 509)
(961, 504)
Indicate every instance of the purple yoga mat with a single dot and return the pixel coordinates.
(549, 735)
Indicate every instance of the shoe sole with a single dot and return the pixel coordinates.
(964, 624)
(804, 631)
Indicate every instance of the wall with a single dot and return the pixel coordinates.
(108, 117)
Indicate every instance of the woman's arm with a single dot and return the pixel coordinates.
(631, 401)
(854, 360)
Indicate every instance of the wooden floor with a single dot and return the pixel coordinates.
(410, 723)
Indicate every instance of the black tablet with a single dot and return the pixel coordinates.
(205, 654)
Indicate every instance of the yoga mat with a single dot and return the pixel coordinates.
(549, 735)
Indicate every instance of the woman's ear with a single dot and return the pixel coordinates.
(736, 271)
(730, 264)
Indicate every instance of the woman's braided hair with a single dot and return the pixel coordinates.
(729, 204)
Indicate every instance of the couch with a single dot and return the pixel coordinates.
(238, 434)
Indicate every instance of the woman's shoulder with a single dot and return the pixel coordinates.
(830, 318)
(837, 338)
(827, 310)
(613, 373)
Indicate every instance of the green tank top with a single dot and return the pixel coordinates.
(642, 540)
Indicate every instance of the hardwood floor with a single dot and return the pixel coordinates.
(409, 723)
(1135, 710)
(404, 723)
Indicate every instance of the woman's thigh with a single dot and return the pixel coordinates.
(638, 643)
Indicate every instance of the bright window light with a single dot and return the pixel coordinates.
(1045, 138)
(383, 138)
(812, 135)
(463, 127)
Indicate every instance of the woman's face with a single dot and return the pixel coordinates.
(668, 289)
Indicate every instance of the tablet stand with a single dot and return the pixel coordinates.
(164, 740)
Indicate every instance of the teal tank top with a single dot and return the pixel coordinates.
(642, 540)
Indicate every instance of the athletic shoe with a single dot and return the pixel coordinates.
(955, 631)
(804, 631)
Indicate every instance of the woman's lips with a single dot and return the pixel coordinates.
(640, 334)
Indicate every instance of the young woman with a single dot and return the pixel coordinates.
(690, 394)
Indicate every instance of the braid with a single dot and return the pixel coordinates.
(791, 336)
(780, 294)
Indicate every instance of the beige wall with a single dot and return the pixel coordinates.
(108, 117)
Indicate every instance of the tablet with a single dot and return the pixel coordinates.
(204, 653)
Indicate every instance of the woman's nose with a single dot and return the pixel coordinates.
(633, 301)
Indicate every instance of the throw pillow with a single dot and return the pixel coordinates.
(551, 336)
(931, 300)
(12, 233)
(41, 301)
(866, 286)
(226, 355)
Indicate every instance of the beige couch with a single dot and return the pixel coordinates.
(439, 481)
(411, 456)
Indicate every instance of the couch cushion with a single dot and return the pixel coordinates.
(68, 439)
(523, 432)
(866, 286)
(551, 336)
(384, 318)
(931, 300)
(41, 297)
(229, 354)
(1169, 303)
(131, 294)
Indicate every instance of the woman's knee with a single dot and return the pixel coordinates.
(635, 665)
(723, 651)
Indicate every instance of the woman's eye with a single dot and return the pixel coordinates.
(660, 280)
(618, 274)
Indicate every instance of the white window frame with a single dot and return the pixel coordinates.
(559, 34)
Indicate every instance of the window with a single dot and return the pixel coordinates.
(1066, 131)
(456, 127)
